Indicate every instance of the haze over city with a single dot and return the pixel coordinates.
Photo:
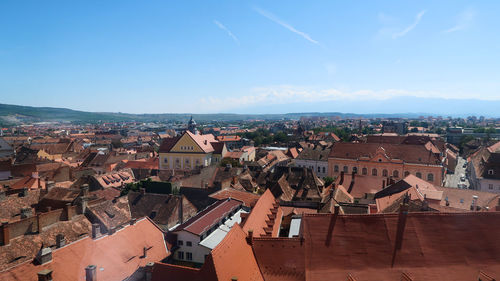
(252, 57)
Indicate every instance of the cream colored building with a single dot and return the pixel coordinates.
(190, 150)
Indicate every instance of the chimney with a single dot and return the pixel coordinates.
(45, 275)
(403, 213)
(5, 233)
(44, 255)
(49, 185)
(250, 237)
(34, 175)
(331, 224)
(2, 195)
(91, 273)
(26, 212)
(83, 204)
(181, 211)
(67, 211)
(85, 190)
(25, 192)
(341, 178)
(96, 230)
(60, 240)
(351, 185)
(149, 271)
(383, 184)
(144, 252)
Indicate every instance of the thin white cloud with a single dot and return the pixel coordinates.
(464, 20)
(273, 18)
(402, 33)
(223, 27)
(288, 94)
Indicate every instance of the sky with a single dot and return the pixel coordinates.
(251, 57)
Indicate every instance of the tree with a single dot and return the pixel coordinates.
(328, 181)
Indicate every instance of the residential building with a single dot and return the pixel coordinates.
(189, 151)
(200, 234)
(484, 169)
(386, 159)
(315, 159)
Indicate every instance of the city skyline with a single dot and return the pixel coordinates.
(252, 57)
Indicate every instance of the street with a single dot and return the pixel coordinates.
(453, 180)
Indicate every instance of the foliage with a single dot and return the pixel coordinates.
(328, 181)
(233, 162)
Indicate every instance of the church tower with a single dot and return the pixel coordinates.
(192, 126)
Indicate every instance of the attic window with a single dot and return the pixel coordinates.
(379, 160)
(490, 172)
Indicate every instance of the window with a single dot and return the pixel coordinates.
(319, 169)
(490, 186)
(189, 256)
(395, 174)
(407, 173)
(177, 160)
(385, 173)
(165, 160)
(197, 162)
(336, 168)
(180, 243)
(180, 255)
(346, 169)
(354, 169)
(324, 170)
(379, 160)
(187, 161)
(374, 172)
(419, 175)
(189, 244)
(430, 177)
(490, 172)
(364, 171)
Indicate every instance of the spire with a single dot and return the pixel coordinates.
(192, 126)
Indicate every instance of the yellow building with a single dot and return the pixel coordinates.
(190, 150)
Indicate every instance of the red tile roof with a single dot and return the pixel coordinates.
(249, 199)
(258, 219)
(233, 257)
(435, 246)
(117, 256)
(207, 218)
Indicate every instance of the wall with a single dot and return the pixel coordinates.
(312, 164)
(437, 171)
(198, 251)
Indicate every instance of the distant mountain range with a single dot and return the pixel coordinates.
(17, 114)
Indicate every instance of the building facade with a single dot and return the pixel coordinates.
(386, 160)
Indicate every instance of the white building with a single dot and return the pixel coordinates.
(315, 159)
(200, 234)
(484, 169)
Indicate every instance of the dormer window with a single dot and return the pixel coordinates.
(490, 172)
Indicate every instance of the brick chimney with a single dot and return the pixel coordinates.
(341, 178)
(144, 252)
(351, 185)
(181, 211)
(45, 275)
(49, 185)
(250, 237)
(5, 233)
(91, 273)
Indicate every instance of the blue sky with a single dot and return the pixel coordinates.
(242, 57)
